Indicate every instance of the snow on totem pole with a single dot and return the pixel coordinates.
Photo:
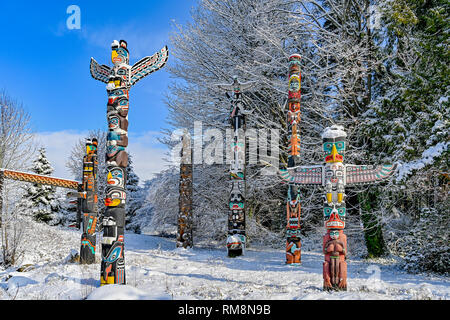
(185, 219)
(119, 78)
(293, 210)
(88, 204)
(334, 176)
(236, 240)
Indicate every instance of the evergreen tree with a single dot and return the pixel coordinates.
(408, 123)
(39, 201)
(67, 215)
(135, 198)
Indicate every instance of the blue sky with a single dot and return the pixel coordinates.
(46, 66)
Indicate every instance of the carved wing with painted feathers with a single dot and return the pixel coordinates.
(303, 175)
(100, 72)
(359, 174)
(147, 65)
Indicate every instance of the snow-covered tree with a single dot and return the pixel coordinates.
(16, 150)
(135, 198)
(408, 123)
(162, 197)
(67, 214)
(364, 66)
(253, 40)
(39, 200)
(142, 219)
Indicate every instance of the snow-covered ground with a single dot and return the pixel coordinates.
(155, 269)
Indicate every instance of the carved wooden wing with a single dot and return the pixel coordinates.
(356, 174)
(302, 175)
(241, 86)
(147, 65)
(100, 72)
(246, 85)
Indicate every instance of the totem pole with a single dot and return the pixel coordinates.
(120, 78)
(85, 193)
(88, 204)
(293, 209)
(236, 240)
(334, 176)
(184, 233)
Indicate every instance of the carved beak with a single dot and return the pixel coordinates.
(114, 56)
(335, 156)
(112, 202)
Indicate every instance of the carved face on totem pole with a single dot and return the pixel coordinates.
(117, 108)
(295, 77)
(334, 217)
(115, 197)
(91, 146)
(334, 141)
(116, 177)
(119, 52)
(236, 198)
(334, 234)
(292, 211)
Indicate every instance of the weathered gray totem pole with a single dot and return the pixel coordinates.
(236, 240)
(185, 219)
(334, 176)
(119, 78)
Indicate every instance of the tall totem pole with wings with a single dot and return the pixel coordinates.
(334, 176)
(119, 79)
(236, 240)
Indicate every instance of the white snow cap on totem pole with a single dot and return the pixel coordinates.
(333, 132)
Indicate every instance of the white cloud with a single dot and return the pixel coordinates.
(58, 145)
(145, 149)
(148, 154)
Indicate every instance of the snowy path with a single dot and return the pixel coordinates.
(156, 270)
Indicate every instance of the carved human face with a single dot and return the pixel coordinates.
(119, 77)
(334, 173)
(116, 177)
(236, 201)
(122, 74)
(294, 83)
(334, 218)
(294, 62)
(117, 94)
(91, 146)
(334, 234)
(113, 122)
